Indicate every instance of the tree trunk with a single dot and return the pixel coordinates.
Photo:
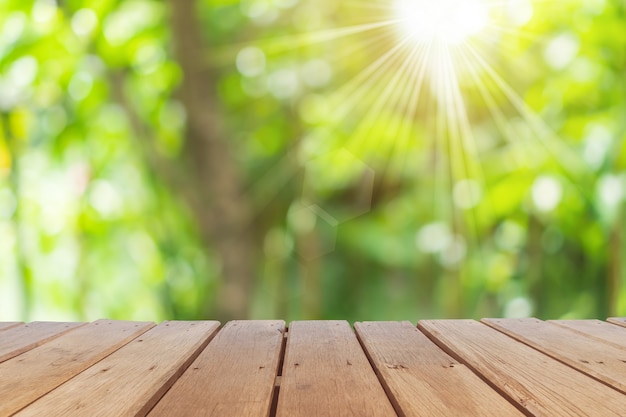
(220, 207)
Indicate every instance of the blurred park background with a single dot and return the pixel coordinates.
(312, 159)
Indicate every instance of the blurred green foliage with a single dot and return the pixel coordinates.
(368, 205)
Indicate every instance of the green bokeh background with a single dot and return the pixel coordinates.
(359, 209)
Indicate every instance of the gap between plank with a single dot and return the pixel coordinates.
(279, 373)
(459, 358)
(190, 360)
(521, 339)
(381, 380)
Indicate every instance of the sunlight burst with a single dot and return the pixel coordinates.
(424, 82)
(447, 21)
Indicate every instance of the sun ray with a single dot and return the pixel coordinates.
(386, 94)
(467, 149)
(362, 141)
(441, 139)
(354, 90)
(371, 81)
(370, 5)
(446, 45)
(409, 108)
(276, 45)
(494, 109)
(404, 105)
(550, 141)
(375, 43)
(281, 44)
(456, 150)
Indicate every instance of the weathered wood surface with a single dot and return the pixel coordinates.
(326, 373)
(598, 359)
(540, 385)
(233, 376)
(620, 321)
(501, 367)
(597, 329)
(423, 380)
(27, 377)
(20, 339)
(131, 380)
(8, 324)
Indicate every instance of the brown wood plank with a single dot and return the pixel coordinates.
(538, 383)
(326, 373)
(131, 380)
(27, 377)
(4, 325)
(601, 330)
(423, 380)
(20, 339)
(597, 359)
(620, 321)
(233, 376)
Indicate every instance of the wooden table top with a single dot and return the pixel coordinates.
(496, 367)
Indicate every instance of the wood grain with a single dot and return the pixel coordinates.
(423, 380)
(620, 321)
(233, 376)
(600, 360)
(131, 380)
(597, 329)
(27, 377)
(20, 339)
(4, 325)
(538, 383)
(326, 373)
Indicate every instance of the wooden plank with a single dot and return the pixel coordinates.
(597, 359)
(4, 325)
(131, 380)
(538, 383)
(423, 380)
(620, 321)
(233, 376)
(32, 374)
(18, 340)
(600, 330)
(326, 373)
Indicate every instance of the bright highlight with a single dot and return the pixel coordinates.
(447, 21)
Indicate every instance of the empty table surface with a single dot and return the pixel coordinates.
(495, 367)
